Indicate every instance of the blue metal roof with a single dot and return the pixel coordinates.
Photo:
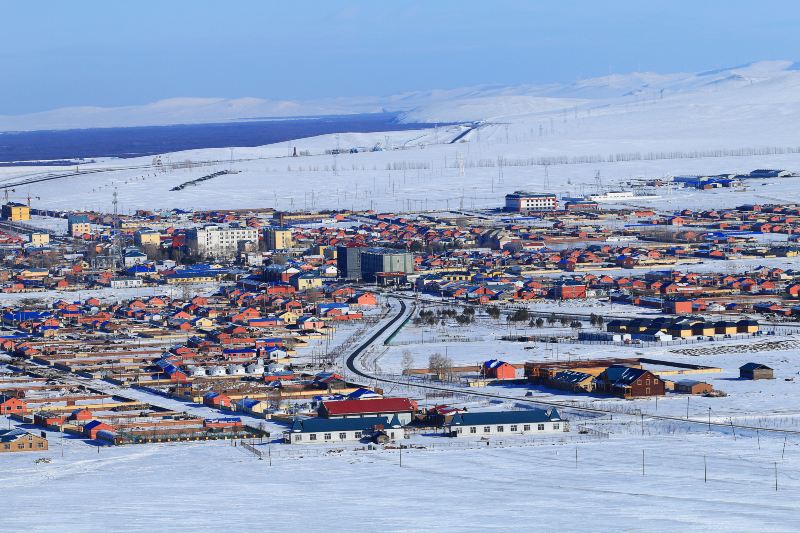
(527, 416)
(317, 425)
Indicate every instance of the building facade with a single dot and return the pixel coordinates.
(348, 261)
(339, 430)
(277, 239)
(523, 202)
(376, 261)
(506, 423)
(218, 241)
(13, 211)
(18, 440)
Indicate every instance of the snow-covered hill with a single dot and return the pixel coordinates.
(556, 136)
(452, 105)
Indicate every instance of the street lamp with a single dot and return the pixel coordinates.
(709, 419)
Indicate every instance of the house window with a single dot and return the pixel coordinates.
(358, 434)
(487, 429)
(473, 429)
(647, 382)
(655, 382)
(40, 445)
(526, 427)
(647, 390)
(540, 427)
(6, 446)
(500, 429)
(512, 428)
(21, 445)
(556, 426)
(342, 435)
(458, 431)
(298, 438)
(313, 436)
(327, 436)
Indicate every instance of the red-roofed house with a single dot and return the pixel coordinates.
(402, 407)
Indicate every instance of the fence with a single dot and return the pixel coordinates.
(441, 443)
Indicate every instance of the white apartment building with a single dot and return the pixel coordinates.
(219, 241)
(521, 202)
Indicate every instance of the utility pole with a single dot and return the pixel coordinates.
(776, 476)
(705, 470)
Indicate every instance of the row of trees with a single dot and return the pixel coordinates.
(523, 315)
(431, 318)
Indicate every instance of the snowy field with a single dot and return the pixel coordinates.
(216, 486)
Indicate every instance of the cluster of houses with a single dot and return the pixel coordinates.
(624, 378)
(387, 419)
(233, 326)
(56, 405)
(667, 328)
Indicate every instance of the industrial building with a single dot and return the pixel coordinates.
(375, 261)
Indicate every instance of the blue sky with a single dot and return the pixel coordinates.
(58, 53)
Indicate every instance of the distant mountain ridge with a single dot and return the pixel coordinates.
(476, 103)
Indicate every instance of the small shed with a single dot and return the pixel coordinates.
(496, 369)
(756, 371)
(691, 386)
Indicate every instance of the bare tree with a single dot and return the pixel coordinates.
(407, 362)
(441, 366)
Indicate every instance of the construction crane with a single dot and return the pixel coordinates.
(27, 198)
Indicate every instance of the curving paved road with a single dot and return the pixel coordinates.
(350, 362)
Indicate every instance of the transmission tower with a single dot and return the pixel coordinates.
(116, 248)
(500, 170)
(546, 179)
(598, 183)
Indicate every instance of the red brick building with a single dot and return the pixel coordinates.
(10, 405)
(630, 382)
(496, 369)
(569, 290)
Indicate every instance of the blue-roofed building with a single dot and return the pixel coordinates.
(15, 317)
(363, 394)
(251, 405)
(769, 173)
(506, 423)
(342, 430)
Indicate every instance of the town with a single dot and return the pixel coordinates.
(408, 266)
(309, 328)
